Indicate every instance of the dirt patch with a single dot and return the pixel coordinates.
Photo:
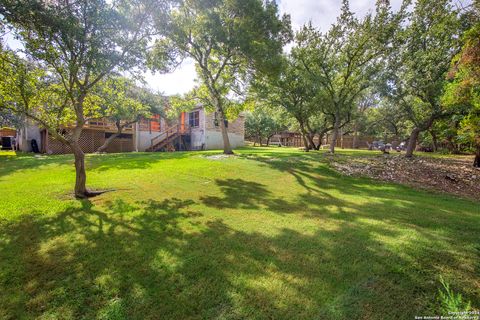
(220, 156)
(454, 175)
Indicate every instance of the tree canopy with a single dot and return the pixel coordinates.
(416, 71)
(230, 41)
(77, 45)
(463, 92)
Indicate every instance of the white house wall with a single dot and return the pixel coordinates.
(208, 136)
(213, 134)
(26, 135)
(144, 139)
(214, 140)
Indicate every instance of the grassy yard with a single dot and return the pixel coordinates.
(270, 234)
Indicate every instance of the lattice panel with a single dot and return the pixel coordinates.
(56, 147)
(90, 141)
(121, 145)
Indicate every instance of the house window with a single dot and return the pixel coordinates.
(194, 119)
(216, 121)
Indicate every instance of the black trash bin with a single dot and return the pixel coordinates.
(34, 146)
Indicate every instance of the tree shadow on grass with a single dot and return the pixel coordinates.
(87, 262)
(165, 259)
(440, 235)
(242, 194)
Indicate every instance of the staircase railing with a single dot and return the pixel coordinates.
(181, 129)
(164, 135)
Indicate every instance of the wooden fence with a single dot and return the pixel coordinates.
(343, 141)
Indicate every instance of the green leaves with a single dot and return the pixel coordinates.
(425, 46)
(462, 93)
(345, 60)
(262, 123)
(229, 40)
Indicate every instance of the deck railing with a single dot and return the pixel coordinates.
(105, 125)
(164, 135)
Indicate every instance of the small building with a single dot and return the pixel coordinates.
(7, 132)
(7, 138)
(195, 130)
(294, 139)
(289, 139)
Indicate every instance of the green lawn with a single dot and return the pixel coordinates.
(270, 234)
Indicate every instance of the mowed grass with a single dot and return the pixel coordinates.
(272, 233)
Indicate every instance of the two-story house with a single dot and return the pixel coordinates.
(195, 130)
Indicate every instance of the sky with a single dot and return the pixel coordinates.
(322, 13)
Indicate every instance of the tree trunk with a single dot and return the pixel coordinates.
(320, 139)
(336, 128)
(80, 174)
(311, 142)
(227, 149)
(115, 135)
(341, 139)
(268, 141)
(304, 137)
(453, 147)
(412, 142)
(355, 136)
(108, 141)
(476, 162)
(258, 139)
(434, 141)
(305, 142)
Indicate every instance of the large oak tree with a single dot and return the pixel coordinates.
(79, 44)
(230, 41)
(424, 46)
(462, 93)
(345, 60)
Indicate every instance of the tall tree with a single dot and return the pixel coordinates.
(424, 47)
(80, 43)
(229, 40)
(345, 60)
(294, 92)
(463, 92)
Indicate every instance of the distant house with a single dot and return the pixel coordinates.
(195, 130)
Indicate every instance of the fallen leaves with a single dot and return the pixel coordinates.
(454, 175)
